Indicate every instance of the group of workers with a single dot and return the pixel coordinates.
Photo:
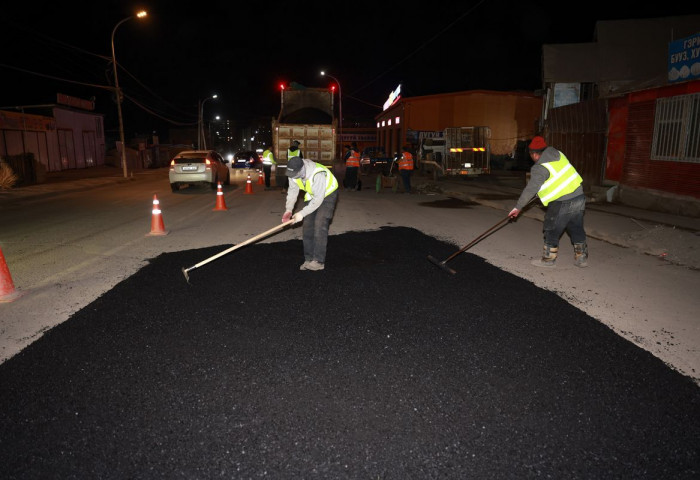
(352, 168)
(552, 178)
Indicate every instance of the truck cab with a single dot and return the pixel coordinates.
(459, 151)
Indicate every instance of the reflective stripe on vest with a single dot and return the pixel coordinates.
(268, 158)
(406, 162)
(563, 179)
(293, 153)
(331, 182)
(353, 160)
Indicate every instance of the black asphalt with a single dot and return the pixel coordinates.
(382, 366)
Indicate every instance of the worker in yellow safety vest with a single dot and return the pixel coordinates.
(292, 151)
(320, 189)
(559, 187)
(268, 160)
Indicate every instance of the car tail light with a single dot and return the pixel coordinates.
(207, 162)
(172, 164)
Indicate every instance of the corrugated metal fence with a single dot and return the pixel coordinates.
(579, 130)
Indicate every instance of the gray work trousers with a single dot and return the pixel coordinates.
(565, 216)
(315, 229)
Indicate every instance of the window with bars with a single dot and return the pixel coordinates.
(677, 129)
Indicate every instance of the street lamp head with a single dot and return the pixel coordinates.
(142, 14)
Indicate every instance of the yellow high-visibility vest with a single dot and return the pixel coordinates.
(563, 179)
(331, 182)
(268, 157)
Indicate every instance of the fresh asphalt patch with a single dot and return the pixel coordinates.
(381, 366)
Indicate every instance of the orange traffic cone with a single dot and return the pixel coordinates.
(7, 288)
(248, 185)
(157, 227)
(220, 201)
(261, 179)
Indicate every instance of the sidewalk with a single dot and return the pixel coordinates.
(673, 238)
(75, 180)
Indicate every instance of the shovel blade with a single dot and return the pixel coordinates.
(441, 264)
(187, 276)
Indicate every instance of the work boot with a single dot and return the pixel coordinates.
(314, 265)
(580, 255)
(549, 257)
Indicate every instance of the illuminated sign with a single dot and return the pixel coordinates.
(684, 59)
(393, 97)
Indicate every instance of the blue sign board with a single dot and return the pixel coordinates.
(684, 59)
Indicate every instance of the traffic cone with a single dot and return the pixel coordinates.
(7, 288)
(157, 227)
(248, 185)
(261, 179)
(220, 201)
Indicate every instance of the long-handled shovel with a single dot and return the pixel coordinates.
(466, 247)
(473, 242)
(185, 271)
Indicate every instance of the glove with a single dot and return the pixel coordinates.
(514, 213)
(286, 217)
(297, 217)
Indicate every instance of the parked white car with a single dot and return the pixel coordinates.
(192, 167)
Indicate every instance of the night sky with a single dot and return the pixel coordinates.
(187, 51)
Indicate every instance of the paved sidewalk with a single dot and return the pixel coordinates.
(674, 238)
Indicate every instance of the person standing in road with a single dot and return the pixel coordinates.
(352, 167)
(268, 160)
(292, 151)
(406, 168)
(559, 187)
(320, 189)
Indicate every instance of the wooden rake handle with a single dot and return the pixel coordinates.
(242, 244)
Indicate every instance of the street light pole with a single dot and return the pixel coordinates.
(200, 127)
(340, 105)
(140, 14)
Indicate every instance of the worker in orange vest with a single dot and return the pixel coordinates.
(405, 168)
(352, 167)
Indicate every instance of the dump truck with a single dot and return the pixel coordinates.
(456, 151)
(306, 115)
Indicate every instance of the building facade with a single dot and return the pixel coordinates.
(511, 117)
(60, 136)
(633, 127)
